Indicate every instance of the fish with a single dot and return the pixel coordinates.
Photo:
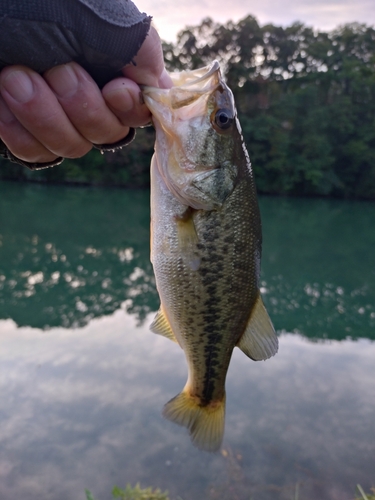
(206, 241)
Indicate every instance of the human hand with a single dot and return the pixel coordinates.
(64, 112)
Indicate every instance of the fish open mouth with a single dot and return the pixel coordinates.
(196, 76)
(187, 86)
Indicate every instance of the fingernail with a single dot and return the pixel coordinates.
(119, 99)
(63, 80)
(19, 85)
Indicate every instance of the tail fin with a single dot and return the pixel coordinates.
(205, 423)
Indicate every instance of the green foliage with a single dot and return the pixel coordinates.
(364, 496)
(289, 147)
(134, 493)
(137, 493)
(89, 495)
(306, 101)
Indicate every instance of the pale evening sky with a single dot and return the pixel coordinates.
(170, 16)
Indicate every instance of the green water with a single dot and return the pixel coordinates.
(83, 381)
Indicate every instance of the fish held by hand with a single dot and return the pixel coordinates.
(205, 245)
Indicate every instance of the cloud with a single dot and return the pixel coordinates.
(170, 17)
(82, 408)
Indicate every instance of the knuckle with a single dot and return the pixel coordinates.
(92, 113)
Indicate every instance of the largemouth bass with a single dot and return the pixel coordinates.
(205, 244)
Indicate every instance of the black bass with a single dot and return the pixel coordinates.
(205, 244)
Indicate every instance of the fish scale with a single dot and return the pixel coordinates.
(206, 245)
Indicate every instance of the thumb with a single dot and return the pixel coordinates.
(149, 66)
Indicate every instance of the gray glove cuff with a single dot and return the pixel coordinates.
(117, 145)
(8, 155)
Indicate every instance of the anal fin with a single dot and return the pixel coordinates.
(259, 341)
(161, 326)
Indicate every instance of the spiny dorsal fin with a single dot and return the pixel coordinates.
(259, 340)
(161, 326)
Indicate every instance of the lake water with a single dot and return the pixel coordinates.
(83, 381)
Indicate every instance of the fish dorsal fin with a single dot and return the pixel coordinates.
(161, 326)
(259, 340)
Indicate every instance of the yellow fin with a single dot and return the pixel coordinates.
(188, 239)
(161, 326)
(259, 340)
(205, 423)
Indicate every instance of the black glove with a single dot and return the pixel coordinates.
(100, 35)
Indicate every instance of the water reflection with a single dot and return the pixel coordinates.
(69, 255)
(81, 409)
(319, 266)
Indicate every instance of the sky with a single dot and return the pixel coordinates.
(170, 16)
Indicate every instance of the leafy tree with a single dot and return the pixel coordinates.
(305, 98)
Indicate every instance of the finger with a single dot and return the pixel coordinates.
(149, 66)
(83, 103)
(36, 107)
(19, 141)
(123, 96)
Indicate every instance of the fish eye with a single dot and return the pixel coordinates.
(223, 118)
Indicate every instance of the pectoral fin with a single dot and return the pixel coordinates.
(161, 326)
(188, 239)
(259, 340)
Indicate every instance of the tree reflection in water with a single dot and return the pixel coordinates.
(69, 255)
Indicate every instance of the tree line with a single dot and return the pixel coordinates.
(305, 99)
